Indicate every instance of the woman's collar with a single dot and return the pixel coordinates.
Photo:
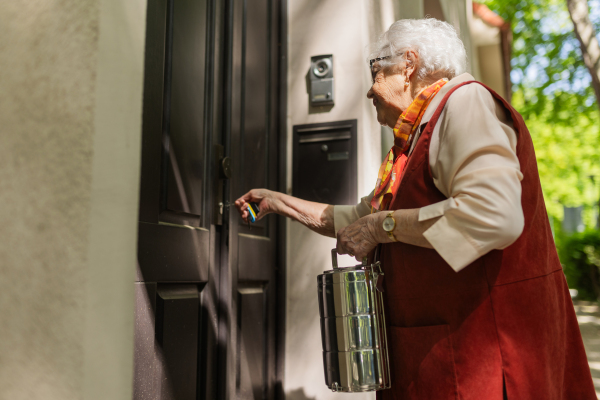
(435, 102)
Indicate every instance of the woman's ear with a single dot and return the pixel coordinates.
(412, 59)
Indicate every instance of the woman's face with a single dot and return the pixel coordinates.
(389, 93)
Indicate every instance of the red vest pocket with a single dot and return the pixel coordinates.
(423, 363)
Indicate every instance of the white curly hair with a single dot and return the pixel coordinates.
(440, 50)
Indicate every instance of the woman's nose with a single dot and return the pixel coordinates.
(370, 93)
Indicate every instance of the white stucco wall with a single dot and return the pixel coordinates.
(70, 123)
(344, 29)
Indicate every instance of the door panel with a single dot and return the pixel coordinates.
(177, 254)
(252, 362)
(186, 123)
(177, 337)
(253, 258)
(176, 313)
(152, 111)
(255, 89)
(172, 352)
(252, 248)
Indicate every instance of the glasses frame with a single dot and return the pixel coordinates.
(373, 61)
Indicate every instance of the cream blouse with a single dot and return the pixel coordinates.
(474, 164)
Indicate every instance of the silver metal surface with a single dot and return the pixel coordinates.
(355, 354)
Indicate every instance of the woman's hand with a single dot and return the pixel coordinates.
(267, 200)
(359, 238)
(315, 216)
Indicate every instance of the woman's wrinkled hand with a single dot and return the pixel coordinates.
(358, 239)
(266, 199)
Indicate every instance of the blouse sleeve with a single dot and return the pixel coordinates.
(474, 163)
(346, 215)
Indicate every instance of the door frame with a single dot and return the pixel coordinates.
(281, 245)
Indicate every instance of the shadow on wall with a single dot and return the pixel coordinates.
(298, 394)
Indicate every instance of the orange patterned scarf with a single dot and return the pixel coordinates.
(391, 169)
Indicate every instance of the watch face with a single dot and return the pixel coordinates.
(388, 224)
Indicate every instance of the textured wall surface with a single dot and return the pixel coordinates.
(344, 29)
(70, 117)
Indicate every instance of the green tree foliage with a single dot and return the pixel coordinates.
(568, 161)
(552, 91)
(546, 62)
(580, 256)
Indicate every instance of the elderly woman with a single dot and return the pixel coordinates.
(478, 307)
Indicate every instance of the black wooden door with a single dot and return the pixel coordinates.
(207, 285)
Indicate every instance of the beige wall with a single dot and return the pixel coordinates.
(490, 67)
(70, 108)
(487, 52)
(345, 29)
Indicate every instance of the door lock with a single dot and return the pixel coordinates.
(223, 173)
(225, 170)
(223, 206)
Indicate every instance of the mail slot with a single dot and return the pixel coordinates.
(324, 162)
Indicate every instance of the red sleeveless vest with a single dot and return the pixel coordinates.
(504, 326)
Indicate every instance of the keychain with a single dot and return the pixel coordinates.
(253, 210)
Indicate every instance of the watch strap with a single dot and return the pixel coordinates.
(391, 236)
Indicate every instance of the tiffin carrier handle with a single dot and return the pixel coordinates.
(334, 260)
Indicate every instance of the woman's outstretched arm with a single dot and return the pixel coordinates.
(316, 216)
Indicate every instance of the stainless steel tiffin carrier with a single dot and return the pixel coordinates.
(355, 354)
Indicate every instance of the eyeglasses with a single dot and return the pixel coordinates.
(373, 61)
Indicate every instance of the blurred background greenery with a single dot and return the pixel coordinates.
(553, 90)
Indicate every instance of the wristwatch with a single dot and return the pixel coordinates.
(389, 223)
